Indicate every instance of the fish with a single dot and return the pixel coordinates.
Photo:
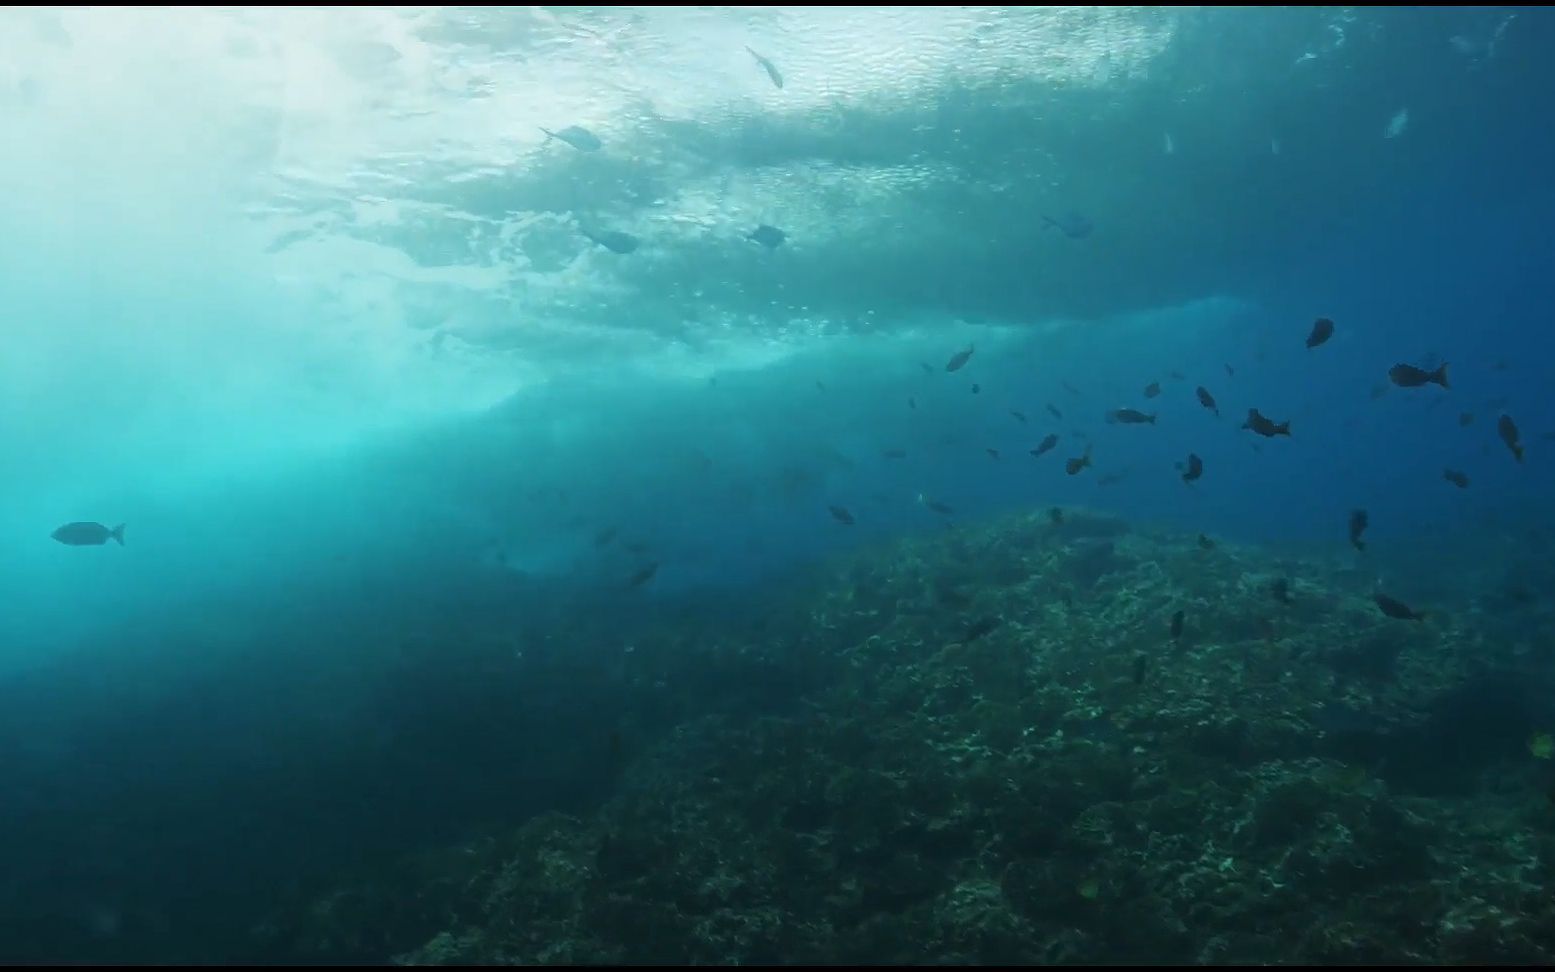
(1264, 426)
(773, 74)
(1207, 400)
(1455, 477)
(841, 515)
(1408, 376)
(768, 236)
(1046, 444)
(83, 534)
(978, 628)
(1508, 430)
(1071, 224)
(1019, 416)
(614, 240)
(1055, 516)
(1053, 411)
(1466, 419)
(1195, 468)
(992, 452)
(1070, 389)
(894, 454)
(1177, 625)
(935, 505)
(1078, 463)
(1358, 522)
(1397, 609)
(928, 369)
(1230, 371)
(1129, 416)
(577, 136)
(1153, 389)
(1175, 375)
(976, 388)
(959, 359)
(643, 576)
(912, 403)
(605, 536)
(1205, 543)
(1322, 330)
(1280, 590)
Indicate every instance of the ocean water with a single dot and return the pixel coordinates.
(442, 518)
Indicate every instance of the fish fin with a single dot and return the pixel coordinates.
(118, 534)
(1440, 376)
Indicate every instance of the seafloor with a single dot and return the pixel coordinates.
(987, 746)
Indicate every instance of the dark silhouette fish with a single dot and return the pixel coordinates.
(1230, 371)
(1205, 543)
(935, 505)
(768, 236)
(1056, 516)
(1207, 400)
(1073, 466)
(1046, 444)
(994, 453)
(1176, 625)
(912, 403)
(1358, 521)
(614, 240)
(1455, 477)
(1019, 416)
(643, 576)
(1129, 416)
(1053, 411)
(1195, 468)
(1153, 389)
(959, 359)
(81, 534)
(841, 514)
(1508, 430)
(1397, 609)
(1408, 376)
(1466, 419)
(578, 137)
(976, 388)
(766, 65)
(1322, 330)
(1265, 426)
(1071, 224)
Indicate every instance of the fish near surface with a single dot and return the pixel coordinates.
(577, 136)
(83, 534)
(1408, 376)
(768, 236)
(614, 240)
(773, 74)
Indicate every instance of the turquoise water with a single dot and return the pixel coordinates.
(304, 299)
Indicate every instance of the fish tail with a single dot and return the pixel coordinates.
(1517, 452)
(1440, 376)
(1282, 429)
(1152, 420)
(118, 534)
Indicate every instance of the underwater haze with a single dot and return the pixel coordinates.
(615, 415)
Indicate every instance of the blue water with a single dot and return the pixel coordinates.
(301, 298)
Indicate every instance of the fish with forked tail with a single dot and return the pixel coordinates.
(1408, 376)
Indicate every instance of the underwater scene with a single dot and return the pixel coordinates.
(777, 485)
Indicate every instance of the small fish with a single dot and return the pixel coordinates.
(1153, 389)
(1078, 463)
(768, 236)
(81, 534)
(978, 628)
(1071, 224)
(1055, 515)
(1019, 416)
(1046, 444)
(976, 388)
(841, 515)
(1280, 590)
(1129, 416)
(1322, 330)
(1177, 625)
(912, 403)
(643, 576)
(1070, 389)
(1408, 376)
(935, 505)
(959, 359)
(1053, 411)
(1264, 426)
(1466, 419)
(1397, 609)
(578, 137)
(992, 452)
(614, 240)
(1455, 477)
(895, 454)
(605, 536)
(1175, 375)
(1195, 468)
(1205, 543)
(1207, 400)
(1230, 372)
(1508, 430)
(1358, 521)
(928, 369)
(766, 65)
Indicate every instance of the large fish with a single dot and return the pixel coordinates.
(82, 534)
(578, 137)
